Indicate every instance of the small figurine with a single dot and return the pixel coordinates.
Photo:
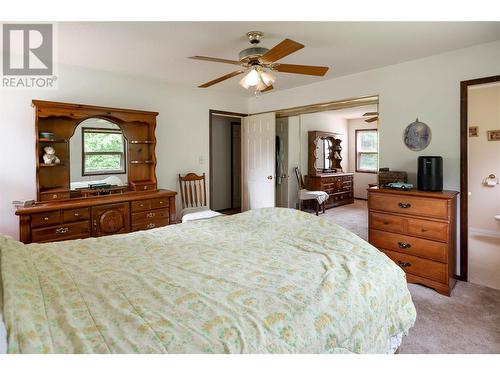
(50, 156)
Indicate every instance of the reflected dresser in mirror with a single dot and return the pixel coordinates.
(325, 171)
(95, 174)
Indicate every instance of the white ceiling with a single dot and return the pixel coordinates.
(354, 112)
(159, 50)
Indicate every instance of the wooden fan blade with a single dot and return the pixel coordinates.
(302, 69)
(279, 51)
(215, 59)
(268, 88)
(371, 119)
(371, 114)
(220, 79)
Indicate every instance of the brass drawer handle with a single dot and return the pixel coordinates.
(404, 245)
(404, 264)
(150, 214)
(404, 205)
(62, 230)
(46, 218)
(76, 214)
(150, 225)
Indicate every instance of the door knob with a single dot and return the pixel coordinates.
(269, 177)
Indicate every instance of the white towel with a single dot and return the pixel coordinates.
(320, 196)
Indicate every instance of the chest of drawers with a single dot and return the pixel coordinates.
(417, 230)
(338, 186)
(95, 217)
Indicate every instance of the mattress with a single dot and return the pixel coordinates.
(265, 281)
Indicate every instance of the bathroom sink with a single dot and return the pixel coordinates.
(497, 217)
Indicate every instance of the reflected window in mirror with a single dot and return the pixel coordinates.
(103, 151)
(99, 155)
(367, 150)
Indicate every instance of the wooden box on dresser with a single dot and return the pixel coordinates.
(339, 187)
(95, 217)
(417, 230)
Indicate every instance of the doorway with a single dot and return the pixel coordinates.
(225, 161)
(480, 191)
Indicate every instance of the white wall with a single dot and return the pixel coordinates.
(221, 162)
(361, 180)
(183, 120)
(427, 88)
(322, 121)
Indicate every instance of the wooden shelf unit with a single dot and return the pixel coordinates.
(61, 119)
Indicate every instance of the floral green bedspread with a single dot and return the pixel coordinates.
(265, 281)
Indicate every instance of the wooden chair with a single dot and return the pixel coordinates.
(194, 198)
(308, 195)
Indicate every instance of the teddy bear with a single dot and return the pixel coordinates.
(50, 156)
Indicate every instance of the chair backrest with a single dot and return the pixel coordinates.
(193, 194)
(300, 180)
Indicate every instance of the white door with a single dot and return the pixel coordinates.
(257, 161)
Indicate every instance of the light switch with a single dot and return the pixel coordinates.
(200, 159)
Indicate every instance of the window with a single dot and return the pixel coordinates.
(367, 150)
(103, 151)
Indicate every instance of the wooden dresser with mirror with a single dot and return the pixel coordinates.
(325, 171)
(95, 174)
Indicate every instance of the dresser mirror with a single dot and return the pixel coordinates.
(324, 153)
(98, 157)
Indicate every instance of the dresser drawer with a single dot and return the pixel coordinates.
(54, 196)
(142, 205)
(159, 202)
(432, 230)
(409, 245)
(391, 223)
(150, 224)
(428, 229)
(419, 206)
(62, 232)
(151, 214)
(420, 267)
(46, 219)
(76, 214)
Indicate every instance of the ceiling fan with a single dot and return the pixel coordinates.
(258, 63)
(373, 118)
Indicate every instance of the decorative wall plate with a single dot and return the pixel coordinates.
(417, 136)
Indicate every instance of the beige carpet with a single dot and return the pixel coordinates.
(466, 322)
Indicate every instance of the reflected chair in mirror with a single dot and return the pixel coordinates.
(194, 198)
(319, 197)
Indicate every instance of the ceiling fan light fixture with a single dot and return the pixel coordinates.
(252, 78)
(261, 86)
(267, 78)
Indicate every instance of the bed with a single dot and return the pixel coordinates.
(265, 281)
